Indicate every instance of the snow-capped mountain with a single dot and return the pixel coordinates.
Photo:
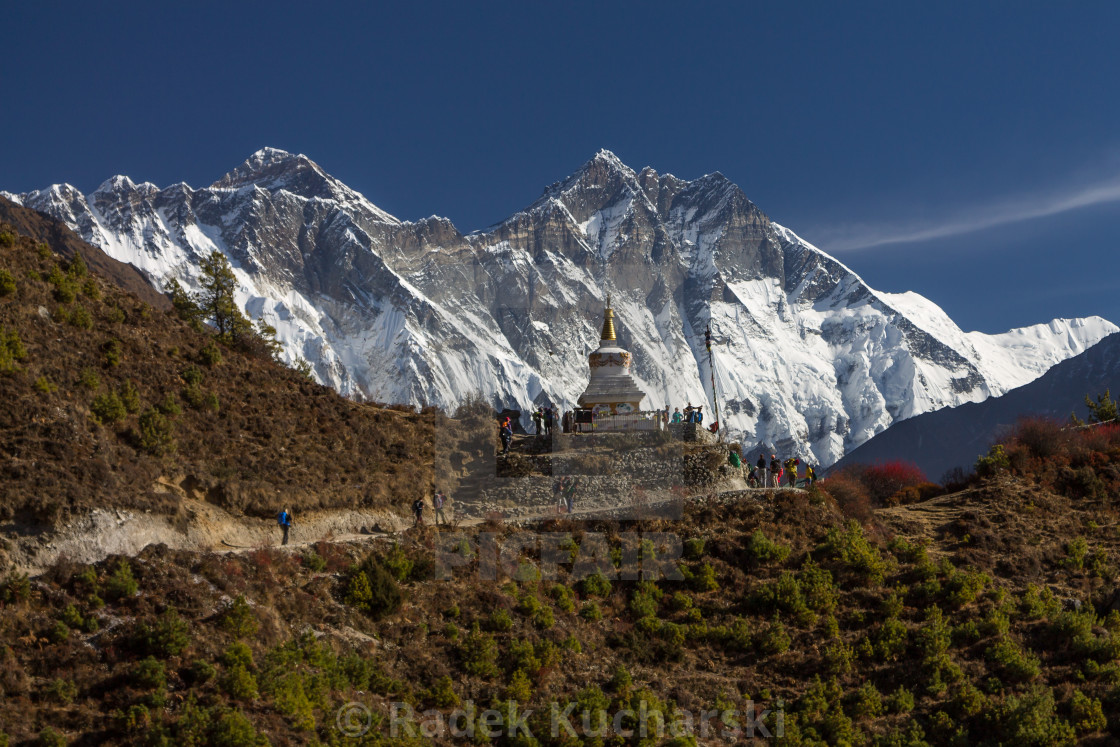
(954, 437)
(809, 359)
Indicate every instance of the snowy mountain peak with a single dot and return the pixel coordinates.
(811, 361)
(274, 170)
(116, 184)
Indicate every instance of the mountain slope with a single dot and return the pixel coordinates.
(110, 403)
(939, 441)
(810, 359)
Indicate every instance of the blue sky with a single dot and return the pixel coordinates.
(967, 151)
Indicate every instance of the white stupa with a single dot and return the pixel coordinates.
(612, 390)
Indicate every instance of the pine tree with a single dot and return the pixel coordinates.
(1103, 410)
(216, 299)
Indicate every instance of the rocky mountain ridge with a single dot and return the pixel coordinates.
(809, 359)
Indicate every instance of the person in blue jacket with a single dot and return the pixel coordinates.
(285, 522)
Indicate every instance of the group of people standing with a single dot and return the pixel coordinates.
(439, 502)
(543, 418)
(775, 473)
(564, 490)
(690, 415)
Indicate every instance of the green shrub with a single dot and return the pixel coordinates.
(645, 599)
(130, 397)
(155, 433)
(372, 589)
(1035, 604)
(500, 620)
(315, 562)
(995, 461)
(704, 578)
(192, 376)
(596, 585)
(11, 350)
(935, 636)
(1087, 714)
(108, 408)
(890, 640)
(239, 683)
(80, 317)
(866, 702)
(900, 701)
(838, 657)
(59, 632)
(238, 619)
(443, 694)
(852, 548)
(149, 674)
(112, 353)
(761, 549)
(774, 640)
(166, 637)
(76, 267)
(169, 406)
(590, 611)
(520, 687)
(479, 654)
(963, 588)
(210, 355)
(120, 584)
(1031, 719)
(44, 386)
(16, 588)
(64, 691)
(91, 290)
(398, 563)
(1014, 662)
(1076, 550)
(89, 378)
(7, 283)
(7, 239)
(48, 737)
(115, 314)
(694, 548)
(238, 653)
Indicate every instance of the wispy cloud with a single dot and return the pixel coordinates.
(1000, 212)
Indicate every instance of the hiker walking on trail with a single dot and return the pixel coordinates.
(570, 493)
(775, 472)
(418, 511)
(538, 421)
(285, 522)
(505, 432)
(810, 475)
(792, 466)
(760, 466)
(677, 417)
(549, 419)
(438, 501)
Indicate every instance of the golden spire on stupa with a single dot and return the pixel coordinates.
(608, 321)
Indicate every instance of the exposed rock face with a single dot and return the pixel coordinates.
(810, 360)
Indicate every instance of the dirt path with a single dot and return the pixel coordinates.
(926, 521)
(204, 527)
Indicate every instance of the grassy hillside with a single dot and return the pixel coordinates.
(106, 398)
(986, 616)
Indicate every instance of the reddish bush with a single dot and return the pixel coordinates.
(1043, 437)
(850, 495)
(916, 493)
